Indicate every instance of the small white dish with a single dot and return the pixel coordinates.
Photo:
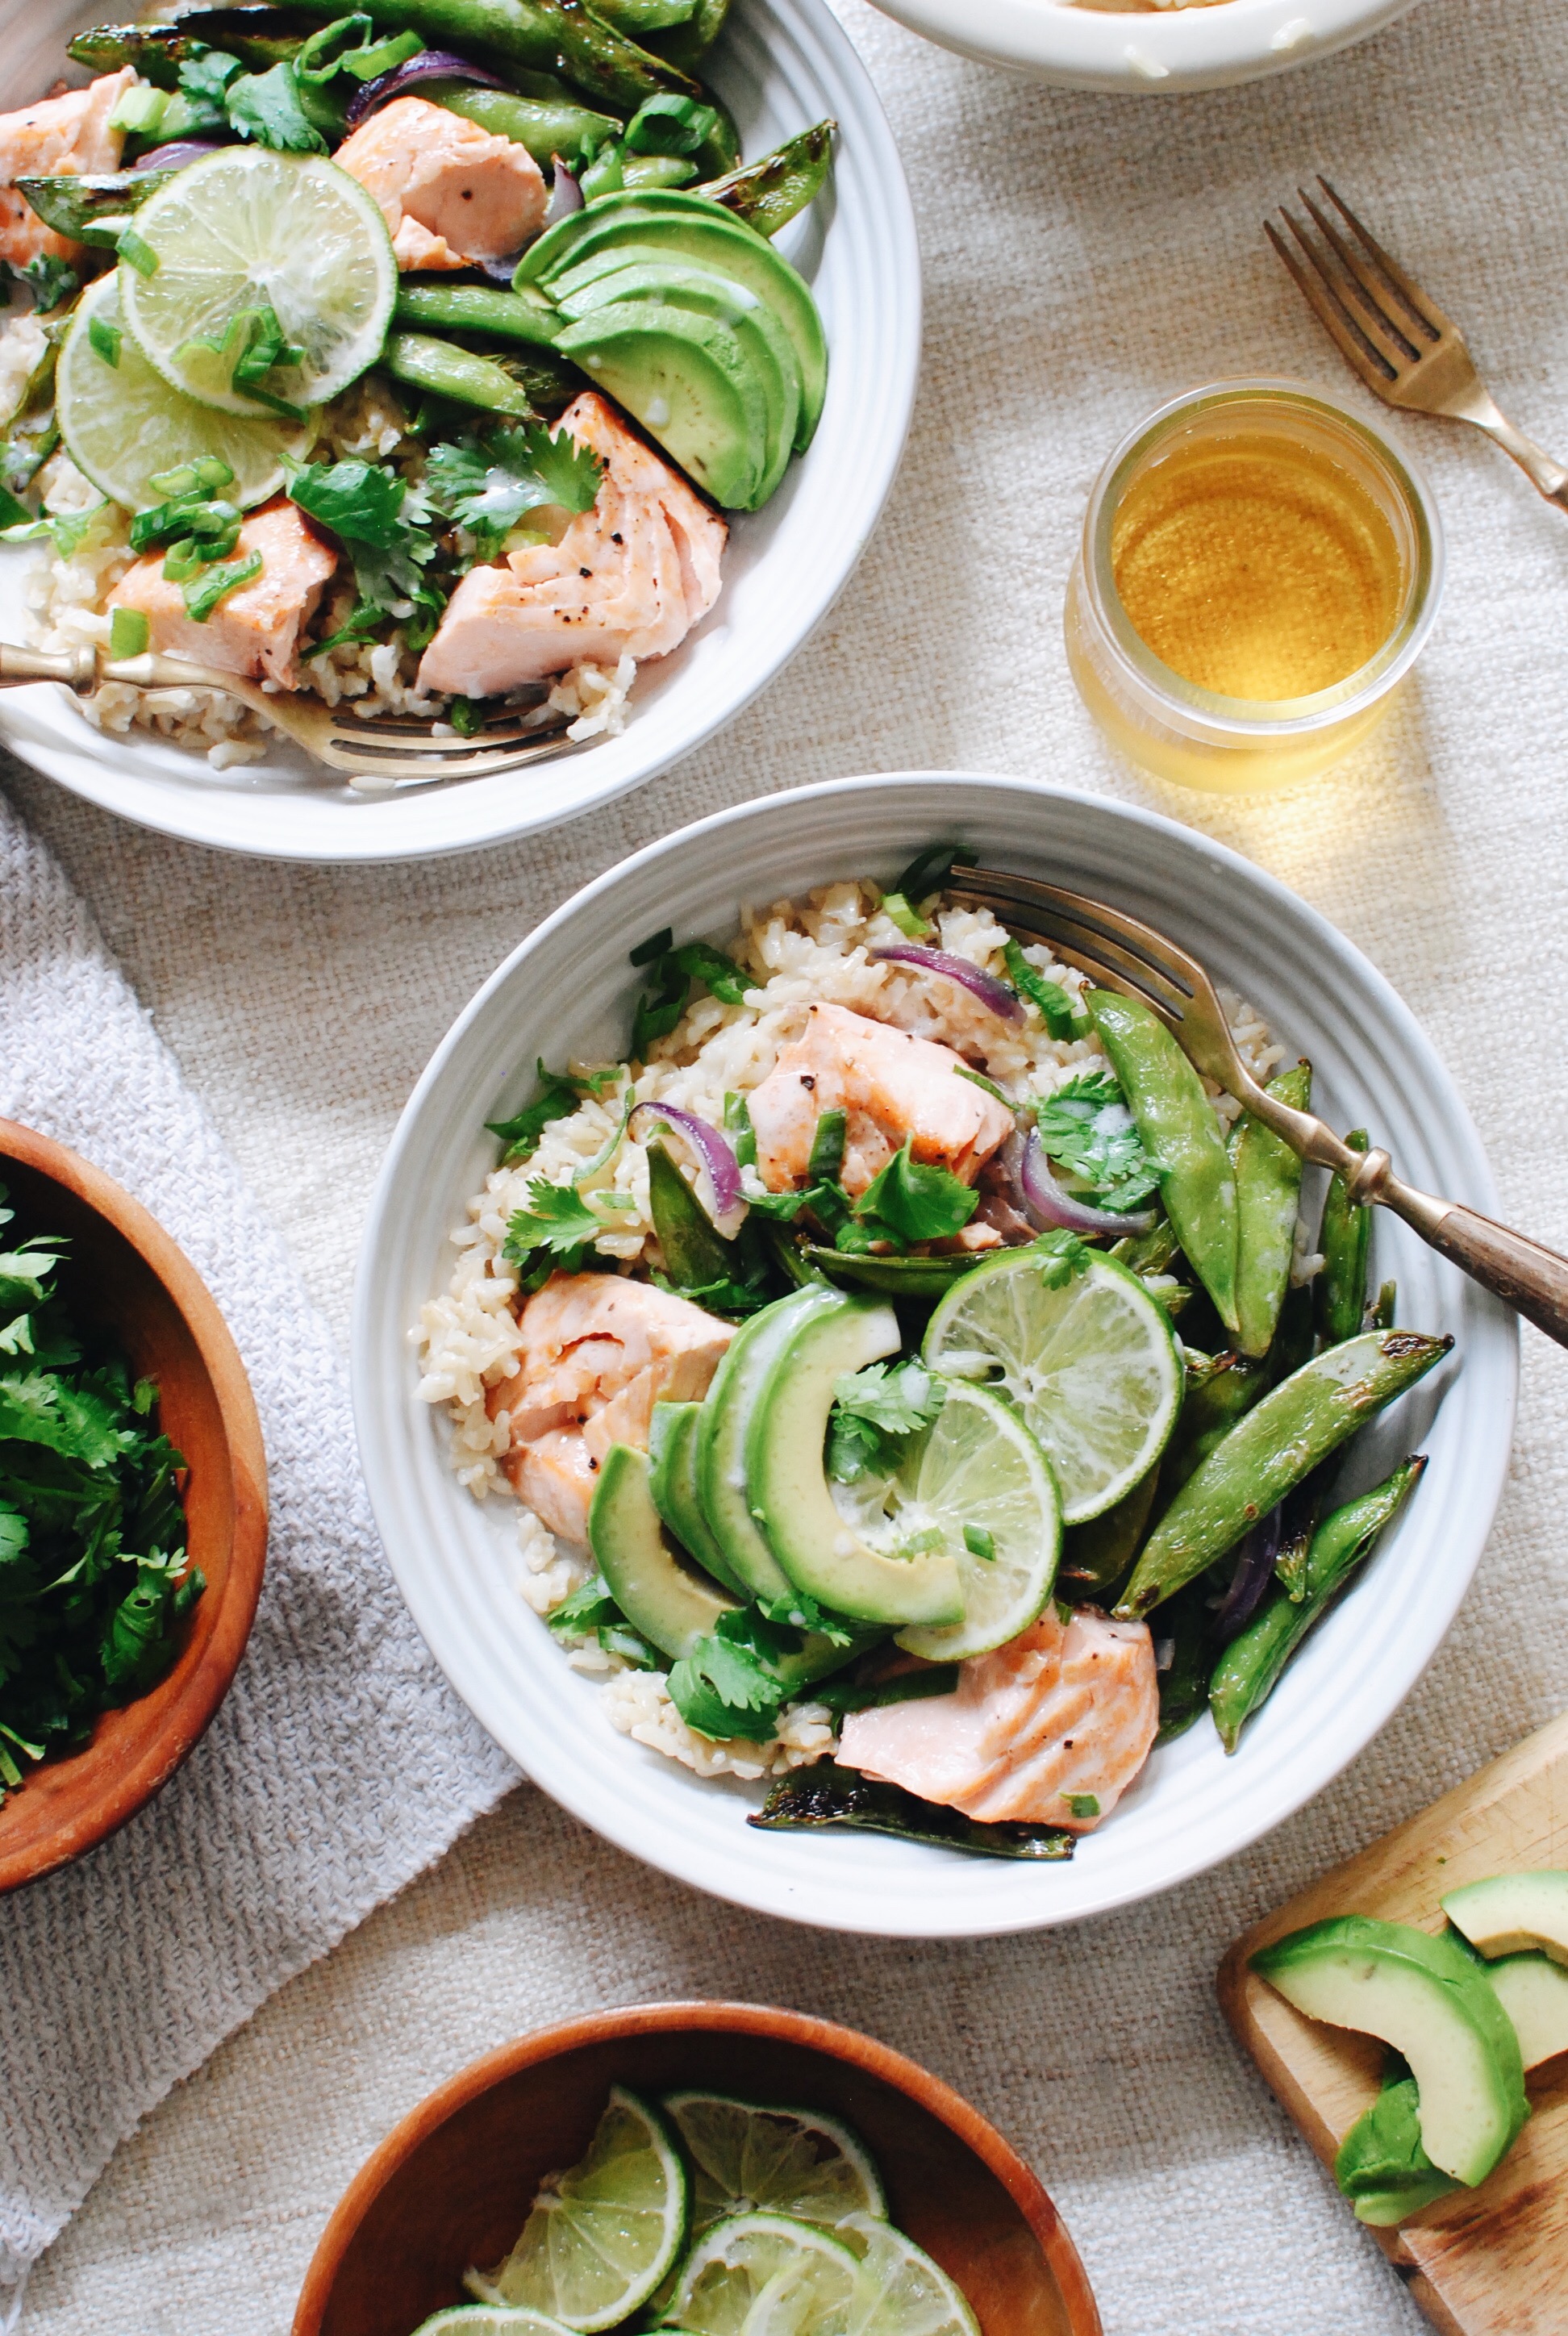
(568, 991)
(1153, 53)
(781, 66)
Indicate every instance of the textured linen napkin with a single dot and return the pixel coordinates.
(340, 1763)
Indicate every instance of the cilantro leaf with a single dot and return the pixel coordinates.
(206, 77)
(723, 1689)
(872, 1411)
(799, 1612)
(360, 501)
(266, 106)
(1056, 1008)
(54, 283)
(737, 1126)
(1086, 1128)
(588, 1610)
(560, 1093)
(488, 478)
(911, 1201)
(1062, 1255)
(557, 1220)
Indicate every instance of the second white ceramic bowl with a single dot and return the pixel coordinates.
(1146, 53)
(569, 992)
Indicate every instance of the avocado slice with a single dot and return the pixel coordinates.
(721, 243)
(660, 1594)
(1532, 1991)
(1425, 1997)
(819, 1549)
(720, 1463)
(626, 274)
(691, 384)
(1510, 1913)
(544, 253)
(1381, 2164)
(672, 1453)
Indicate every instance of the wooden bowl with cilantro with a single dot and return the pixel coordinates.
(133, 1506)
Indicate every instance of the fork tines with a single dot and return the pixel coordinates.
(1380, 320)
(1083, 933)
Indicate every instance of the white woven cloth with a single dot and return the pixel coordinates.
(1084, 258)
(340, 1763)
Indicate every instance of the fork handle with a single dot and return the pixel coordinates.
(76, 667)
(1545, 474)
(1532, 1280)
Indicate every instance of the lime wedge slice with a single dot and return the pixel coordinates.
(754, 2268)
(247, 231)
(897, 2290)
(122, 424)
(490, 2320)
(1089, 1359)
(981, 1480)
(601, 2237)
(793, 2162)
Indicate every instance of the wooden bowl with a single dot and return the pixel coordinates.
(453, 2184)
(124, 1271)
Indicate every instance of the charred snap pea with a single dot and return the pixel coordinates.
(259, 37)
(1267, 1176)
(1221, 1390)
(695, 1255)
(1344, 1239)
(1181, 1136)
(898, 1277)
(1184, 1653)
(767, 193)
(476, 308)
(1094, 1556)
(91, 209)
(828, 1795)
(1246, 1673)
(555, 37)
(442, 370)
(688, 44)
(1303, 1508)
(1291, 1432)
(547, 123)
(1379, 1315)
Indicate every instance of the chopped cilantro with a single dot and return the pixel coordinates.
(55, 285)
(1086, 1128)
(557, 1097)
(266, 106)
(487, 479)
(724, 1688)
(671, 972)
(872, 1411)
(136, 252)
(827, 1152)
(1056, 1008)
(360, 501)
(586, 1610)
(929, 871)
(204, 78)
(911, 1201)
(557, 1220)
(1083, 1804)
(1061, 1256)
(799, 1612)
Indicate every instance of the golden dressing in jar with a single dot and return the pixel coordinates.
(1256, 566)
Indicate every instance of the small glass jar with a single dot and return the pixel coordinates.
(1193, 736)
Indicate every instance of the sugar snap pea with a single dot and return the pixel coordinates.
(694, 1253)
(1221, 1390)
(1182, 1137)
(558, 36)
(1245, 1676)
(1267, 1196)
(1379, 1315)
(1344, 1239)
(444, 370)
(1302, 1509)
(546, 124)
(767, 193)
(1291, 1432)
(1096, 1555)
(476, 308)
(78, 206)
(1184, 1645)
(688, 44)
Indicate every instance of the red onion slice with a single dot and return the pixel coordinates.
(430, 64)
(177, 154)
(983, 985)
(1254, 1571)
(726, 1199)
(565, 194)
(1052, 1209)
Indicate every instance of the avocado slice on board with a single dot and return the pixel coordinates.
(1425, 1997)
(722, 243)
(1509, 1912)
(630, 274)
(818, 1548)
(1381, 2164)
(657, 1588)
(691, 384)
(1532, 1991)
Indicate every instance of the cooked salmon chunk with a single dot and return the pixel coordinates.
(891, 1087)
(628, 577)
(598, 1353)
(60, 137)
(1051, 1729)
(450, 192)
(256, 629)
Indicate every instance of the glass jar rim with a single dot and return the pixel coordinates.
(1248, 720)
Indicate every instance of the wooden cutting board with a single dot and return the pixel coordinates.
(1490, 2262)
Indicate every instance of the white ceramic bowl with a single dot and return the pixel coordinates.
(1150, 54)
(568, 990)
(780, 65)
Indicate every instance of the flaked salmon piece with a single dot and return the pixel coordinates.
(60, 137)
(890, 1086)
(598, 1353)
(1062, 1716)
(256, 629)
(628, 579)
(450, 192)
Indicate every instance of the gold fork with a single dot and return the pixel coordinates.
(1119, 952)
(1395, 336)
(380, 753)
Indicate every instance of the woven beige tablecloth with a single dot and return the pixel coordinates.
(1085, 257)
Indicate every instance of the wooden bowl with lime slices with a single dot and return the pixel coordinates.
(453, 2184)
(124, 1271)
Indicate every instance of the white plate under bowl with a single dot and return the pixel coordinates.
(1154, 54)
(568, 991)
(780, 65)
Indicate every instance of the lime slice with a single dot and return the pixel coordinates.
(122, 424)
(601, 2237)
(981, 1480)
(793, 2162)
(897, 2290)
(490, 2320)
(247, 231)
(1091, 1363)
(754, 2268)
